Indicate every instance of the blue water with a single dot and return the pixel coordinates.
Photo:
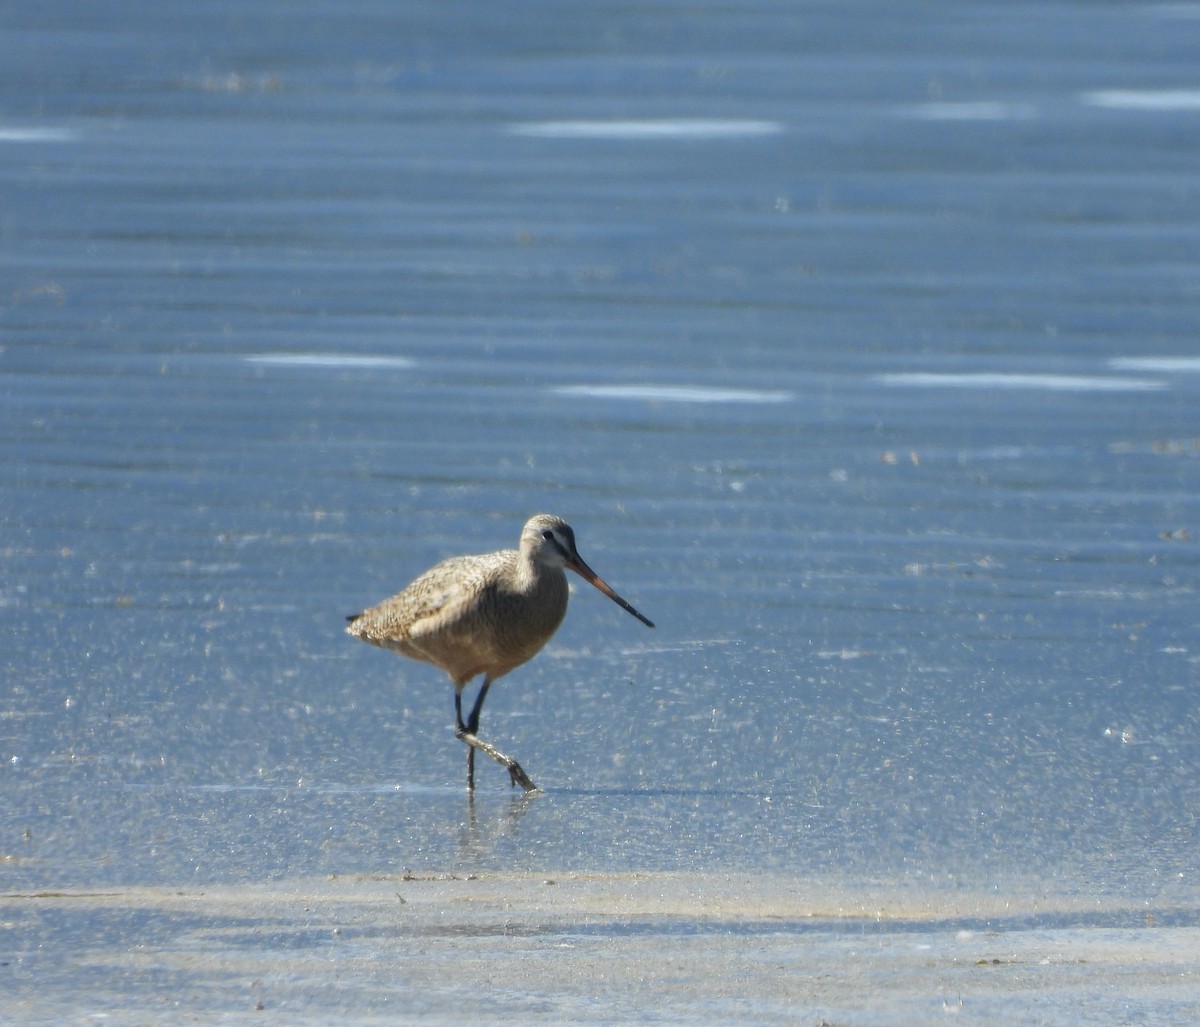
(857, 342)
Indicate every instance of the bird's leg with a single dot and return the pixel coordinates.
(460, 729)
(467, 733)
(472, 728)
(473, 719)
(458, 721)
(515, 773)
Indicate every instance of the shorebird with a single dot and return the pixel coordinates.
(485, 614)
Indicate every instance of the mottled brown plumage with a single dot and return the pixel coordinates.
(486, 614)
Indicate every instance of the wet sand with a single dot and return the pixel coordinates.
(596, 948)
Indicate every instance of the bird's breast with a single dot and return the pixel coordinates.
(523, 619)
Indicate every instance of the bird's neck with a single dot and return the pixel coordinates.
(532, 576)
(527, 574)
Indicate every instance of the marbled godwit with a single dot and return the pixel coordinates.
(486, 614)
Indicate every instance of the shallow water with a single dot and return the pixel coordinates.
(858, 348)
(612, 948)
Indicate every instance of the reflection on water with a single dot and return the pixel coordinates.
(676, 393)
(486, 829)
(1013, 380)
(1145, 99)
(329, 360)
(675, 128)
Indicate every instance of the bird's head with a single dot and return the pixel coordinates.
(549, 542)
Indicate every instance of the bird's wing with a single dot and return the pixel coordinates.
(445, 596)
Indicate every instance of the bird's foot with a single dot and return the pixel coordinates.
(515, 772)
(519, 777)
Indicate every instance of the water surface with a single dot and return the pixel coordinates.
(858, 346)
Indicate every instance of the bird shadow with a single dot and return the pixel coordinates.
(543, 795)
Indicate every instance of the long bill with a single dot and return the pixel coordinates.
(575, 562)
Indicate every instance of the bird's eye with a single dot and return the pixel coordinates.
(548, 535)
